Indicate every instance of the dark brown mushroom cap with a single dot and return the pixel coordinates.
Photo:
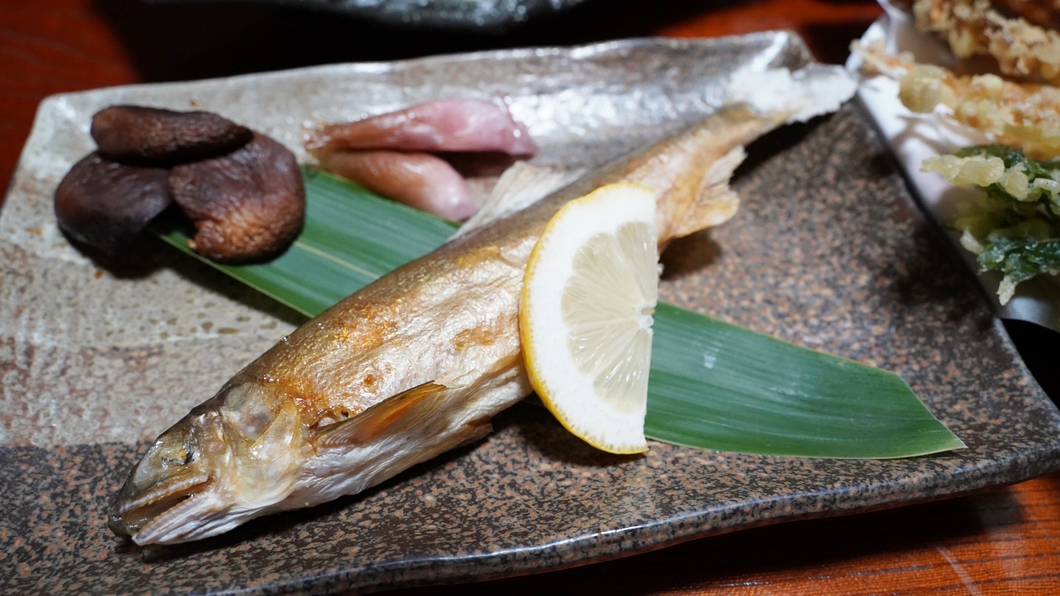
(135, 134)
(246, 205)
(107, 204)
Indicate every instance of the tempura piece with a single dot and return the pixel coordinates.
(984, 170)
(976, 27)
(1014, 226)
(1022, 115)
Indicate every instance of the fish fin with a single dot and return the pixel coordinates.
(473, 431)
(462, 436)
(714, 203)
(381, 418)
(518, 187)
(465, 435)
(691, 170)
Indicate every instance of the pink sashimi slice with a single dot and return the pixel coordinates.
(445, 125)
(419, 180)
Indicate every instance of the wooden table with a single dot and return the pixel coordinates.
(1004, 541)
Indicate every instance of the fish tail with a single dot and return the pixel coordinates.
(691, 171)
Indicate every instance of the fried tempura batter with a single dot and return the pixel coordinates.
(1023, 115)
(1023, 48)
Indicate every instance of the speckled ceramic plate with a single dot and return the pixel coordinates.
(828, 251)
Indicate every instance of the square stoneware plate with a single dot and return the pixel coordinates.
(828, 251)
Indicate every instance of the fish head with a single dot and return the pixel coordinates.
(230, 459)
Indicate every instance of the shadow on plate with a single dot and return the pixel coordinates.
(148, 254)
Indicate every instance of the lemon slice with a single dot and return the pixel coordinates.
(585, 322)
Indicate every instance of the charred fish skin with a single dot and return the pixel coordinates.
(410, 366)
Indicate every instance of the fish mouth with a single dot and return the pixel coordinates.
(132, 511)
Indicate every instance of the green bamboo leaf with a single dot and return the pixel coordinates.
(723, 387)
(712, 384)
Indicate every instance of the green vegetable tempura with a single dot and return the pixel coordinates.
(1015, 226)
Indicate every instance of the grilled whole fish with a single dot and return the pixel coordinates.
(410, 366)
